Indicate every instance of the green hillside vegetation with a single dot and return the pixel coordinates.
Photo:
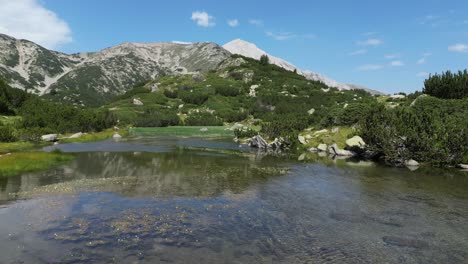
(26, 117)
(280, 103)
(263, 99)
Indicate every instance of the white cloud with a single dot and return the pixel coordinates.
(203, 19)
(370, 42)
(370, 67)
(397, 63)
(181, 42)
(422, 74)
(358, 52)
(423, 60)
(458, 48)
(368, 33)
(233, 23)
(281, 35)
(256, 22)
(392, 56)
(28, 19)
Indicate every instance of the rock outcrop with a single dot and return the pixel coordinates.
(49, 138)
(335, 150)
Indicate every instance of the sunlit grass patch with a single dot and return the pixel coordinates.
(98, 136)
(17, 163)
(184, 131)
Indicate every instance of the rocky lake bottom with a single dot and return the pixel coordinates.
(181, 200)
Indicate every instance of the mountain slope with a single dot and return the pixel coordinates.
(248, 49)
(92, 78)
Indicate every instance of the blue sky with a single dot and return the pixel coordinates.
(386, 45)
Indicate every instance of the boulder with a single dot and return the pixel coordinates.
(462, 166)
(77, 135)
(302, 157)
(313, 150)
(322, 147)
(116, 136)
(204, 129)
(335, 130)
(277, 144)
(137, 102)
(356, 144)
(321, 131)
(411, 163)
(302, 140)
(311, 111)
(258, 142)
(49, 138)
(335, 150)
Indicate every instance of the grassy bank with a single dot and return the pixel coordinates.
(7, 147)
(21, 162)
(183, 131)
(90, 137)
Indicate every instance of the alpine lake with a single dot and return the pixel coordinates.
(171, 199)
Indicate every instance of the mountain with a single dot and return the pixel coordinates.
(250, 50)
(91, 78)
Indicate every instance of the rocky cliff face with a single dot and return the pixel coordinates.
(91, 78)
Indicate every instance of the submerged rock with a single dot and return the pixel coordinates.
(404, 242)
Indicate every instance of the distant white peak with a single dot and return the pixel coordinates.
(247, 49)
(182, 42)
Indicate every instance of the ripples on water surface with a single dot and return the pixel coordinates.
(166, 200)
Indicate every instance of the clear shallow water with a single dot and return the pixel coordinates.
(165, 200)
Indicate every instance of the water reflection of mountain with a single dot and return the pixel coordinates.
(177, 173)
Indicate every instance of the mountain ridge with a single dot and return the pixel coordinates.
(248, 49)
(91, 78)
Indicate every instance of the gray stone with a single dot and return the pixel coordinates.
(137, 102)
(49, 137)
(117, 136)
(77, 135)
(204, 129)
(258, 142)
(462, 166)
(335, 150)
(302, 140)
(356, 144)
(313, 150)
(411, 163)
(322, 147)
